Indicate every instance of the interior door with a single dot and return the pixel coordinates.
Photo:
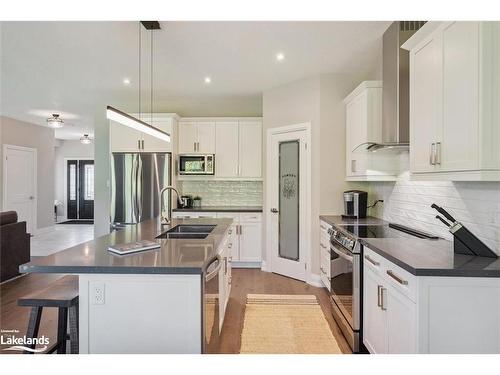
(72, 189)
(288, 191)
(20, 183)
(86, 189)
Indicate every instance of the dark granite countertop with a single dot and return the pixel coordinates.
(221, 209)
(432, 257)
(339, 220)
(179, 256)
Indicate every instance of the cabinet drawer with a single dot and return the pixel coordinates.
(325, 261)
(229, 215)
(373, 261)
(393, 275)
(401, 280)
(250, 217)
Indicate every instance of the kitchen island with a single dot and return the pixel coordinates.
(167, 300)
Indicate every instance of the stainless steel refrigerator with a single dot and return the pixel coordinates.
(136, 181)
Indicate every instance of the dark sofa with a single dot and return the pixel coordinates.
(14, 245)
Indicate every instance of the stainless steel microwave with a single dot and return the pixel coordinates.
(193, 164)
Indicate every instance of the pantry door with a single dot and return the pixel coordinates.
(288, 203)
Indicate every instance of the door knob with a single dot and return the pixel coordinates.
(274, 210)
(32, 197)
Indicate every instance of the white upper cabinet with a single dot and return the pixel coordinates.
(454, 101)
(250, 146)
(197, 137)
(226, 145)
(125, 139)
(426, 109)
(363, 125)
(236, 143)
(188, 136)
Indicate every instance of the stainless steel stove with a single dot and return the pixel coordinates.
(346, 257)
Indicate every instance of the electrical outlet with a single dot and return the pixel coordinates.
(97, 293)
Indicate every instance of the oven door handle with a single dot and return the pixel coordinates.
(342, 254)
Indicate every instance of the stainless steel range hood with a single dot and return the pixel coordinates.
(395, 91)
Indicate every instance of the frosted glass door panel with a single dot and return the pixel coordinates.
(289, 200)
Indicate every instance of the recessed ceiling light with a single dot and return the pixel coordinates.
(208, 79)
(126, 81)
(55, 121)
(280, 56)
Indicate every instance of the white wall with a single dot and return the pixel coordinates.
(476, 204)
(20, 133)
(317, 100)
(66, 149)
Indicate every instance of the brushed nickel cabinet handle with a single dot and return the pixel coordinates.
(382, 299)
(438, 153)
(372, 261)
(353, 166)
(432, 156)
(397, 278)
(139, 144)
(323, 246)
(379, 303)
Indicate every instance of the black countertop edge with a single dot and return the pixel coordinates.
(220, 209)
(440, 272)
(113, 270)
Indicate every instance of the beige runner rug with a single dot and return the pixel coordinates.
(286, 324)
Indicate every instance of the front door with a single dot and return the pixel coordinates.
(287, 160)
(80, 189)
(20, 183)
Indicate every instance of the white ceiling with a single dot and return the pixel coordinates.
(76, 68)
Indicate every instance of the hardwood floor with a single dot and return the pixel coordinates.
(244, 281)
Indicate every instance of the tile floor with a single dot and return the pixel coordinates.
(62, 237)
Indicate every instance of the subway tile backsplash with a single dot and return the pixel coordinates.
(476, 204)
(224, 193)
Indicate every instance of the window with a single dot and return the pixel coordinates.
(89, 182)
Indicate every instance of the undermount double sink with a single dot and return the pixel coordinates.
(185, 231)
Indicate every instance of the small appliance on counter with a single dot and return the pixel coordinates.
(197, 202)
(464, 241)
(355, 204)
(187, 201)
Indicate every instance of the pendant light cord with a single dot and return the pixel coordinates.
(151, 77)
(140, 50)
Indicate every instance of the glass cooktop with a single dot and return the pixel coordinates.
(373, 231)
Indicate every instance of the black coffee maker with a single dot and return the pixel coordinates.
(355, 204)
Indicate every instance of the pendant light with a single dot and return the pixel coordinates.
(86, 140)
(131, 121)
(55, 121)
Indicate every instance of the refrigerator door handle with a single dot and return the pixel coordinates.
(139, 187)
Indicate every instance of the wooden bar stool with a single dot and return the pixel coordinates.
(62, 294)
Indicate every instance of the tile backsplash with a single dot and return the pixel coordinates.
(475, 204)
(224, 193)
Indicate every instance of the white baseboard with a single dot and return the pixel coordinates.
(236, 264)
(43, 230)
(315, 280)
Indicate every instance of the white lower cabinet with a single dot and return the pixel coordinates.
(403, 313)
(224, 280)
(324, 254)
(389, 315)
